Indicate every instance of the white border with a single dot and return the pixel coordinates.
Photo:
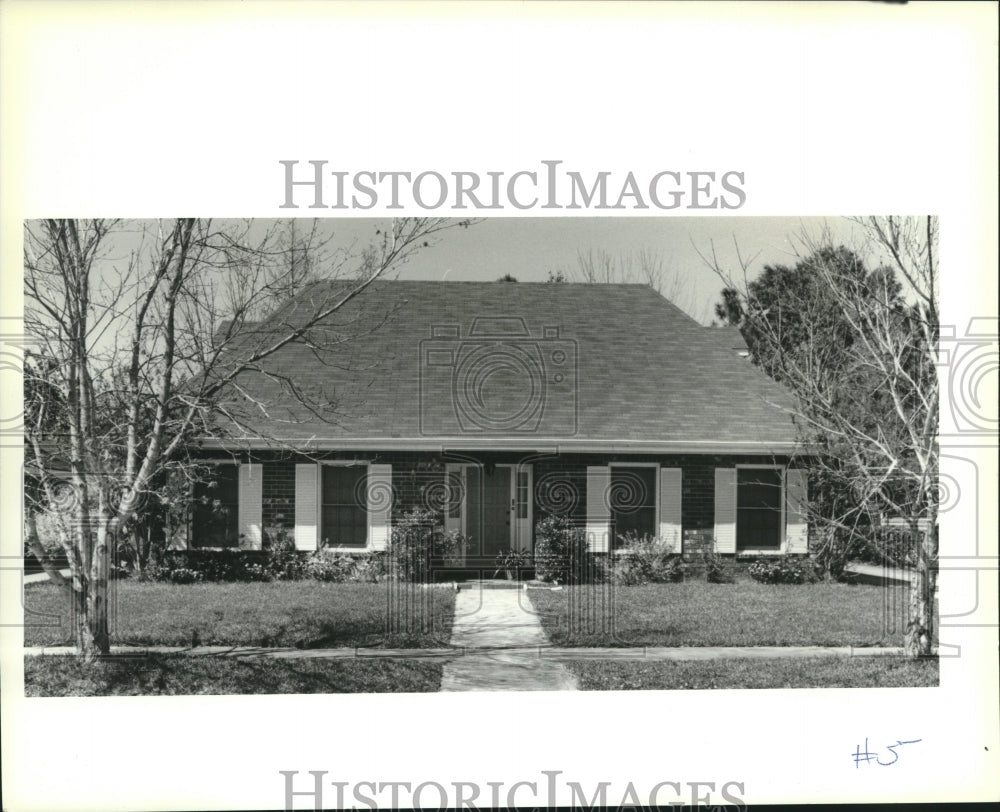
(153, 109)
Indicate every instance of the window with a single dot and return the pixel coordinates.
(344, 506)
(215, 517)
(632, 500)
(758, 509)
(522, 494)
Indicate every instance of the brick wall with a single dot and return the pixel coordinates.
(560, 485)
(697, 542)
(697, 488)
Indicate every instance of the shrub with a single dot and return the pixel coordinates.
(342, 568)
(647, 560)
(888, 546)
(209, 565)
(511, 561)
(371, 568)
(283, 562)
(561, 553)
(178, 575)
(715, 569)
(417, 537)
(783, 570)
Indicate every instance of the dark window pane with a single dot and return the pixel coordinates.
(344, 506)
(633, 502)
(215, 517)
(758, 509)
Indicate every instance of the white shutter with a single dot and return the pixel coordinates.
(598, 511)
(251, 507)
(796, 527)
(454, 485)
(725, 510)
(670, 507)
(379, 506)
(455, 496)
(306, 506)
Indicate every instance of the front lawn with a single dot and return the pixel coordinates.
(304, 614)
(48, 675)
(813, 672)
(741, 614)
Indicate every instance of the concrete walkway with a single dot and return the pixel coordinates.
(501, 638)
(40, 577)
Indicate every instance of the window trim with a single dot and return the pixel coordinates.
(216, 462)
(782, 548)
(613, 548)
(339, 548)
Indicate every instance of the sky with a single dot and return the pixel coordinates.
(530, 247)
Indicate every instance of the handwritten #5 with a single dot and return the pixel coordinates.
(867, 756)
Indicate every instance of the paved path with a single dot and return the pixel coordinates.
(39, 577)
(875, 574)
(501, 638)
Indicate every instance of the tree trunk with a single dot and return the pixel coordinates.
(919, 639)
(90, 591)
(87, 645)
(98, 597)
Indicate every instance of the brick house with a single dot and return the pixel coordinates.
(496, 403)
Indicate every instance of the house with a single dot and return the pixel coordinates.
(733, 339)
(494, 404)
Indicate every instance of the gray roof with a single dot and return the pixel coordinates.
(516, 363)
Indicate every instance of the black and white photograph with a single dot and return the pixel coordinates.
(498, 405)
(265, 457)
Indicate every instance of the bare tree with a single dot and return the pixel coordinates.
(644, 266)
(139, 329)
(866, 386)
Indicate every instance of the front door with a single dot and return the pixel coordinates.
(489, 510)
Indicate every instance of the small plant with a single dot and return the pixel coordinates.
(417, 537)
(284, 562)
(715, 569)
(783, 570)
(511, 562)
(561, 553)
(181, 575)
(647, 560)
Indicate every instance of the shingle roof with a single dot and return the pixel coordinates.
(732, 337)
(593, 362)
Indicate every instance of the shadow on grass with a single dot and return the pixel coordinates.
(825, 672)
(222, 675)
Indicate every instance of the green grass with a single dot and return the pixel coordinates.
(182, 675)
(814, 672)
(304, 614)
(740, 614)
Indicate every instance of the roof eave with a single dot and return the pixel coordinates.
(555, 445)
